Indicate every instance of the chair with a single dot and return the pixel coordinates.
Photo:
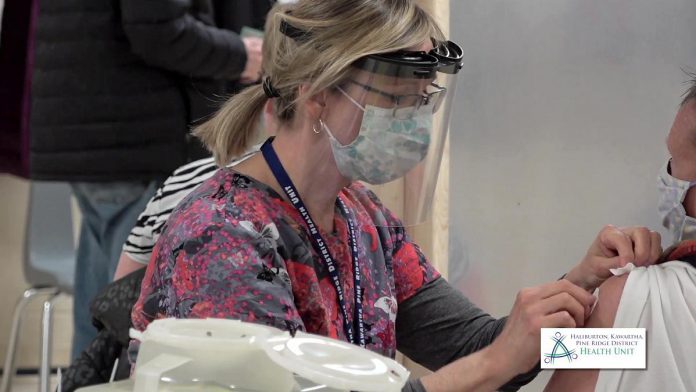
(49, 262)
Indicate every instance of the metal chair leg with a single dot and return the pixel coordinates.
(10, 357)
(46, 344)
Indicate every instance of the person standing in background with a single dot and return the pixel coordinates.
(116, 86)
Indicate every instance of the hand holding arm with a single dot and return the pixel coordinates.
(613, 248)
(557, 304)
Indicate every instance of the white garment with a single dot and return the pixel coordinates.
(623, 270)
(672, 193)
(661, 299)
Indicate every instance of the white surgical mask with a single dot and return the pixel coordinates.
(386, 148)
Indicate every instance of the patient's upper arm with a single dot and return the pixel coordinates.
(602, 317)
(609, 297)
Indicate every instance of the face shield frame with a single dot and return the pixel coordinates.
(435, 71)
(441, 65)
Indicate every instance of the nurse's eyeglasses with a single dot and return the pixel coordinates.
(406, 105)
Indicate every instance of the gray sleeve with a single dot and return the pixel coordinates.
(166, 35)
(413, 386)
(439, 325)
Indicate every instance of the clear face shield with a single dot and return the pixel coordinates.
(387, 123)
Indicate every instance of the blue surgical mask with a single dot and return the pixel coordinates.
(387, 147)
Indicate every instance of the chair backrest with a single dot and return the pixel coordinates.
(49, 247)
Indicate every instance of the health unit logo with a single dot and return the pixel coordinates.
(560, 350)
(593, 348)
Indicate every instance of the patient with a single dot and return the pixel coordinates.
(660, 298)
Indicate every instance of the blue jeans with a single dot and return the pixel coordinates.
(109, 212)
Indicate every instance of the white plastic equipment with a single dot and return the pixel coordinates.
(230, 355)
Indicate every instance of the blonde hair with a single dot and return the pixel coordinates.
(338, 32)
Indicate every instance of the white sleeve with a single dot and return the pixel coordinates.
(672, 212)
(142, 238)
(658, 298)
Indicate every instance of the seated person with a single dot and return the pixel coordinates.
(142, 238)
(655, 298)
(236, 248)
(110, 310)
(667, 309)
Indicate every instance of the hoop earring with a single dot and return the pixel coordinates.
(314, 128)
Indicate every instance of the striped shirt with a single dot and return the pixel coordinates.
(185, 179)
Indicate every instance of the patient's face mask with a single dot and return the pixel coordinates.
(388, 145)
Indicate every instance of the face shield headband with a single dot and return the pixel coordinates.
(446, 57)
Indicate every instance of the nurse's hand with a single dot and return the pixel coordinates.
(254, 54)
(516, 350)
(560, 304)
(614, 248)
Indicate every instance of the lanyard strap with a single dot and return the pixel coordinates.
(320, 246)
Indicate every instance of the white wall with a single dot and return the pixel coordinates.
(562, 111)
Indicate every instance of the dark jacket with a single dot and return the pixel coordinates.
(117, 83)
(15, 84)
(111, 316)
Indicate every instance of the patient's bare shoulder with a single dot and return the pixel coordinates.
(580, 380)
(609, 297)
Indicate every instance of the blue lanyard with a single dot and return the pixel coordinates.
(320, 246)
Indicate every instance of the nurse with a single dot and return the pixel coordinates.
(355, 91)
